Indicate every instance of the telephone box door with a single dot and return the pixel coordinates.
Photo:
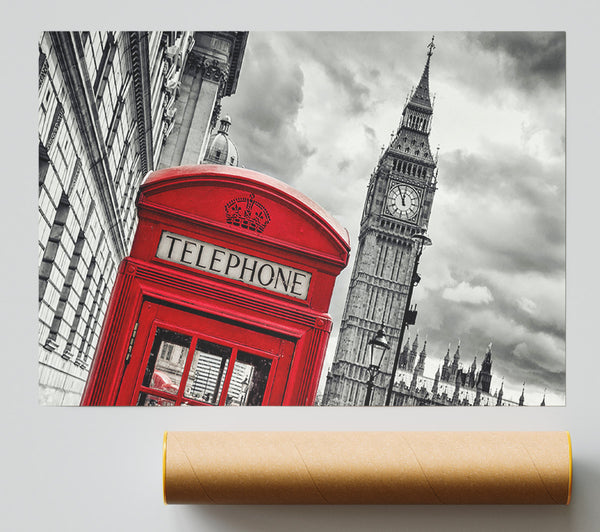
(178, 357)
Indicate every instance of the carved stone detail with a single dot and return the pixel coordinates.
(58, 116)
(43, 71)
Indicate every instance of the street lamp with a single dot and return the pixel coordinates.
(409, 317)
(377, 348)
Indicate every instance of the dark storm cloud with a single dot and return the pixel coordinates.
(264, 114)
(532, 372)
(343, 69)
(534, 58)
(314, 109)
(521, 309)
(511, 209)
(518, 357)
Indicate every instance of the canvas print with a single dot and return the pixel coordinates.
(240, 218)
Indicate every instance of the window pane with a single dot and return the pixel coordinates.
(167, 360)
(207, 372)
(248, 380)
(146, 399)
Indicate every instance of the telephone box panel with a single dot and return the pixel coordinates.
(224, 297)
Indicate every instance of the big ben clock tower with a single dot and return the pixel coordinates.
(396, 213)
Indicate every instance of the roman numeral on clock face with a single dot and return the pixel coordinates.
(403, 202)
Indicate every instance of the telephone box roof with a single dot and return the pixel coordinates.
(170, 176)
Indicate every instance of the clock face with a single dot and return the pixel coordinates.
(403, 202)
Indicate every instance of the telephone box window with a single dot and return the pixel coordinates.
(167, 361)
(207, 373)
(147, 399)
(248, 380)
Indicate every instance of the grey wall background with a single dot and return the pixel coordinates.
(100, 469)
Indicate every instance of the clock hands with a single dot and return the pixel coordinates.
(403, 196)
(403, 202)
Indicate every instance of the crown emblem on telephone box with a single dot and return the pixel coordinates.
(247, 213)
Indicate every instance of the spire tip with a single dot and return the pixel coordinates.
(431, 47)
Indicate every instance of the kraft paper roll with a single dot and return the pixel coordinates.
(367, 467)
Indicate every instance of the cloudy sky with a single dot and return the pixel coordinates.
(315, 109)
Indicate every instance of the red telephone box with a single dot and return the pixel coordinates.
(224, 297)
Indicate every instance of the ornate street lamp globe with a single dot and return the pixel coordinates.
(220, 148)
(378, 346)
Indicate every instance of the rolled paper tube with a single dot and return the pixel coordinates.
(367, 467)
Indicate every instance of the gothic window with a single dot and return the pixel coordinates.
(417, 152)
(122, 160)
(44, 104)
(114, 123)
(43, 68)
(407, 150)
(44, 163)
(108, 54)
(63, 308)
(56, 121)
(81, 309)
(89, 336)
(53, 244)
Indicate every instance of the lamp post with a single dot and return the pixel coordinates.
(409, 316)
(378, 346)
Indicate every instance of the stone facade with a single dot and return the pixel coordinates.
(112, 106)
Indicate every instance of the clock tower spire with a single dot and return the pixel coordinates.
(397, 208)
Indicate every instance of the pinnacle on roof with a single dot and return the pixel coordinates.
(447, 357)
(420, 97)
(488, 353)
(416, 342)
(407, 344)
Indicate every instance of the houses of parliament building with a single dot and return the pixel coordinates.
(391, 239)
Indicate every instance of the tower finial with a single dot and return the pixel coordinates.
(431, 47)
